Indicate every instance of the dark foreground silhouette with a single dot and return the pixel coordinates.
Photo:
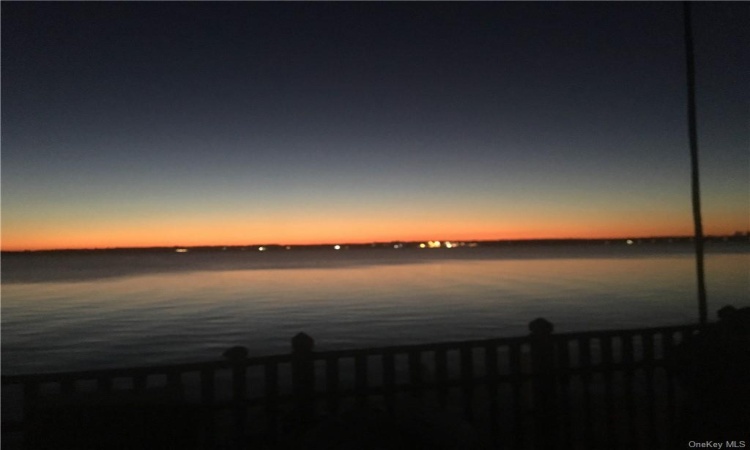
(714, 369)
(412, 426)
(656, 388)
(153, 420)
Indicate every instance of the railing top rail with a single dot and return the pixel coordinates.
(142, 370)
(282, 358)
(478, 343)
(645, 330)
(448, 345)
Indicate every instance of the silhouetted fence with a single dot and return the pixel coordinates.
(599, 389)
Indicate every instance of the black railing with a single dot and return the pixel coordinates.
(598, 389)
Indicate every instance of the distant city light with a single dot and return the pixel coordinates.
(261, 249)
(181, 250)
(434, 244)
(422, 245)
(629, 242)
(448, 245)
(336, 247)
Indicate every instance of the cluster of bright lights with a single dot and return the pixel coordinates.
(438, 244)
(428, 244)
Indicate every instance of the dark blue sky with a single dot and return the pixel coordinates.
(204, 123)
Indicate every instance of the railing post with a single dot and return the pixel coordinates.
(303, 377)
(543, 383)
(237, 356)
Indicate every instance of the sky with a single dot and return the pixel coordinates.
(160, 124)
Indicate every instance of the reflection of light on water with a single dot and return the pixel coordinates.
(180, 250)
(143, 317)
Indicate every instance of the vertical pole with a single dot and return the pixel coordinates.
(467, 381)
(693, 134)
(360, 379)
(237, 356)
(490, 361)
(332, 384)
(30, 414)
(519, 416)
(389, 380)
(272, 392)
(303, 377)
(543, 383)
(208, 394)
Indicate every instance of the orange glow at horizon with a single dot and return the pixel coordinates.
(321, 231)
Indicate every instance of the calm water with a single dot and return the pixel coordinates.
(79, 311)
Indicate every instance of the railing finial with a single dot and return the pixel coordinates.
(541, 326)
(301, 342)
(236, 353)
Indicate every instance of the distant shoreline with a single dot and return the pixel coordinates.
(737, 237)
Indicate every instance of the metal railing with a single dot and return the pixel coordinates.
(597, 389)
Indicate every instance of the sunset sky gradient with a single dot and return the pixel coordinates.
(160, 124)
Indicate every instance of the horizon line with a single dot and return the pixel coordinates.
(737, 234)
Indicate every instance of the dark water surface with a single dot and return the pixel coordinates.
(94, 310)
